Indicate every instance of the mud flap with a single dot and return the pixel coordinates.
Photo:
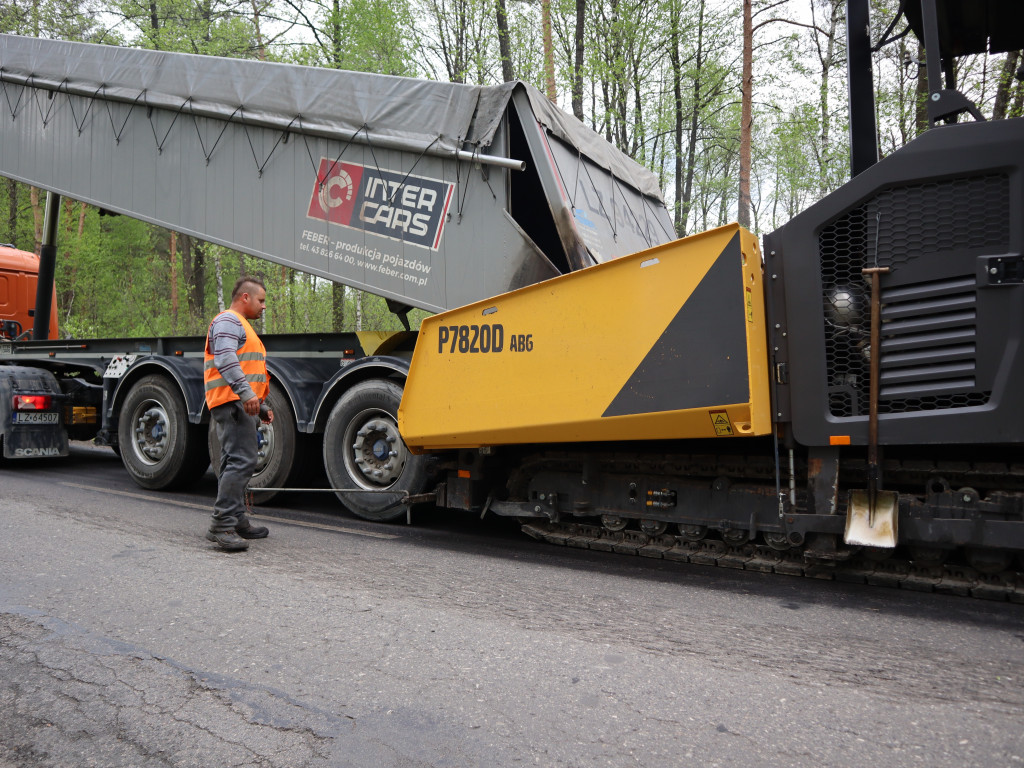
(872, 527)
(35, 442)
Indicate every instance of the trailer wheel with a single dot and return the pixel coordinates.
(364, 451)
(276, 452)
(159, 448)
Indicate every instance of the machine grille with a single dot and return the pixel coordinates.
(928, 328)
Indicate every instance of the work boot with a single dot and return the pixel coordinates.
(228, 540)
(249, 531)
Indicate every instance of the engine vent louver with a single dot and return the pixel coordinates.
(928, 340)
(929, 329)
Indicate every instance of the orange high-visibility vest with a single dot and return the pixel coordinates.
(252, 357)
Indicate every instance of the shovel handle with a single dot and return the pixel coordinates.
(874, 475)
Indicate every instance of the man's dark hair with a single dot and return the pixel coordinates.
(243, 281)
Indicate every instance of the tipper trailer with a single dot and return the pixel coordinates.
(855, 389)
(431, 195)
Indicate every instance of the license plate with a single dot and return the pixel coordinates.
(29, 417)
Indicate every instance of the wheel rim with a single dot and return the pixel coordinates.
(614, 523)
(735, 536)
(265, 446)
(653, 527)
(151, 432)
(375, 454)
(692, 532)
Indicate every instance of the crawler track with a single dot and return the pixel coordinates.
(948, 578)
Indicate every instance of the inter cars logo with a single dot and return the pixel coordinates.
(399, 206)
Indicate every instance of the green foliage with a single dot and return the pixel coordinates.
(58, 19)
(16, 225)
(459, 42)
(362, 36)
(108, 284)
(191, 26)
(378, 37)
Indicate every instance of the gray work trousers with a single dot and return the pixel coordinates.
(236, 431)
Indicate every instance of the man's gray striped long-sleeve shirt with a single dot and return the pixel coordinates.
(226, 337)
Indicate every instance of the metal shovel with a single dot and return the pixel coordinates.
(872, 514)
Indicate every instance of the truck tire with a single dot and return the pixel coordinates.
(159, 448)
(275, 461)
(364, 451)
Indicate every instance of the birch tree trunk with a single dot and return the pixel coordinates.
(218, 270)
(174, 282)
(1006, 82)
(549, 54)
(337, 308)
(12, 209)
(746, 120)
(37, 217)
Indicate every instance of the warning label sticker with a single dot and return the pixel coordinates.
(720, 421)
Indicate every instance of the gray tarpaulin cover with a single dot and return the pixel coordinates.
(420, 114)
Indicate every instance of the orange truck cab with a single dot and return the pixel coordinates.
(18, 272)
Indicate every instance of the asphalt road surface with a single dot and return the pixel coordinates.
(127, 639)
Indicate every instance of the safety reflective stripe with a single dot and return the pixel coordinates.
(214, 383)
(241, 358)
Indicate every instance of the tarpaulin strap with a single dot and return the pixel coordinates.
(670, 233)
(373, 154)
(202, 143)
(316, 167)
(576, 185)
(615, 221)
(458, 188)
(600, 202)
(114, 128)
(149, 115)
(409, 173)
(643, 230)
(74, 116)
(376, 164)
(461, 199)
(485, 175)
(35, 96)
(273, 149)
(12, 109)
(561, 178)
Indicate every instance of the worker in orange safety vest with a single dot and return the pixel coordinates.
(237, 385)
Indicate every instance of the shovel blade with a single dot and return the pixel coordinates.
(869, 527)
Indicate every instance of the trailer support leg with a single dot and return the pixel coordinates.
(47, 268)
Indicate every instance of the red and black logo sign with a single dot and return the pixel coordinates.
(399, 206)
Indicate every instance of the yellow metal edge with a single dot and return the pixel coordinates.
(698, 423)
(758, 366)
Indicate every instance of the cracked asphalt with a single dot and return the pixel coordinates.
(126, 639)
